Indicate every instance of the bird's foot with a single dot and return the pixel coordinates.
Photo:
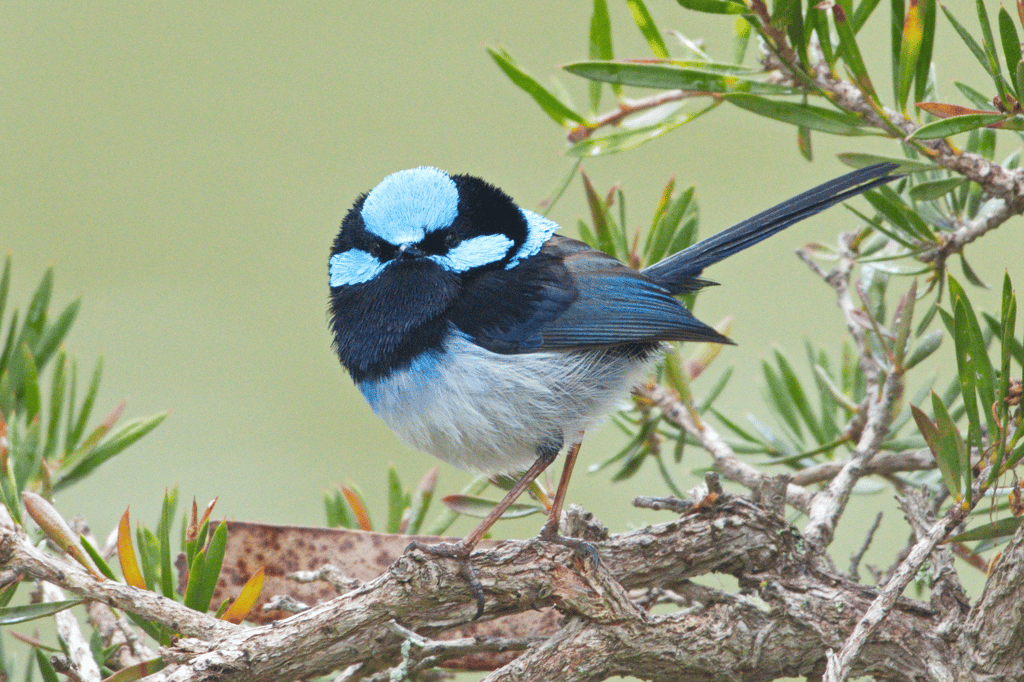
(581, 547)
(459, 551)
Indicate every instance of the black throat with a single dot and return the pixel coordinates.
(381, 325)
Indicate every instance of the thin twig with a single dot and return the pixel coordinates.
(856, 557)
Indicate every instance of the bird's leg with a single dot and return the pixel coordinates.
(461, 550)
(549, 532)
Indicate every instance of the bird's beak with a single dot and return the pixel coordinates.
(409, 251)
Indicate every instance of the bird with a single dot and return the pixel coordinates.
(482, 337)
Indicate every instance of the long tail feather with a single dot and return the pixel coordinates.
(680, 272)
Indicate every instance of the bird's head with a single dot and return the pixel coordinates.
(405, 250)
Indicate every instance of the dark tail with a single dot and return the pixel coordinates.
(680, 272)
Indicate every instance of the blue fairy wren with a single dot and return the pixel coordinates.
(485, 339)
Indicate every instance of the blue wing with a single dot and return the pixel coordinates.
(572, 296)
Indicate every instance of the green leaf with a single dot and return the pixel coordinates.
(781, 400)
(396, 500)
(910, 49)
(421, 500)
(928, 344)
(549, 104)
(58, 388)
(924, 59)
(935, 189)
(714, 6)
(891, 206)
(645, 23)
(851, 53)
(337, 513)
(30, 393)
(138, 671)
(163, 535)
(862, 13)
(479, 507)
(803, 142)
(947, 462)
(969, 40)
(669, 76)
(55, 333)
(97, 559)
(815, 118)
(113, 445)
(1011, 42)
(10, 615)
(45, 667)
(35, 318)
(600, 46)
(798, 396)
(989, 43)
(990, 531)
(954, 125)
(5, 288)
(77, 426)
(667, 226)
(205, 570)
(860, 160)
(599, 214)
(972, 352)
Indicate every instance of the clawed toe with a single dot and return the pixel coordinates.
(460, 552)
(581, 547)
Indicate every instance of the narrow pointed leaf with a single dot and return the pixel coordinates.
(241, 607)
(10, 615)
(98, 560)
(421, 500)
(955, 125)
(924, 57)
(669, 76)
(114, 445)
(860, 160)
(76, 427)
(928, 344)
(549, 104)
(815, 118)
(910, 48)
(396, 500)
(126, 554)
(851, 53)
(1011, 42)
(968, 39)
(138, 671)
(355, 503)
(935, 189)
(479, 507)
(990, 531)
(55, 333)
(600, 46)
(715, 6)
(948, 463)
(645, 23)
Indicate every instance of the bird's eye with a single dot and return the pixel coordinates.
(374, 248)
(439, 242)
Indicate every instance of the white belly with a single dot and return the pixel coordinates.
(489, 412)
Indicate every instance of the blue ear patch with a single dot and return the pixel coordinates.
(538, 230)
(354, 266)
(475, 252)
(408, 204)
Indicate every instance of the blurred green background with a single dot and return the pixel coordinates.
(184, 167)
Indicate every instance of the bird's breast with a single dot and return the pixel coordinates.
(490, 412)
